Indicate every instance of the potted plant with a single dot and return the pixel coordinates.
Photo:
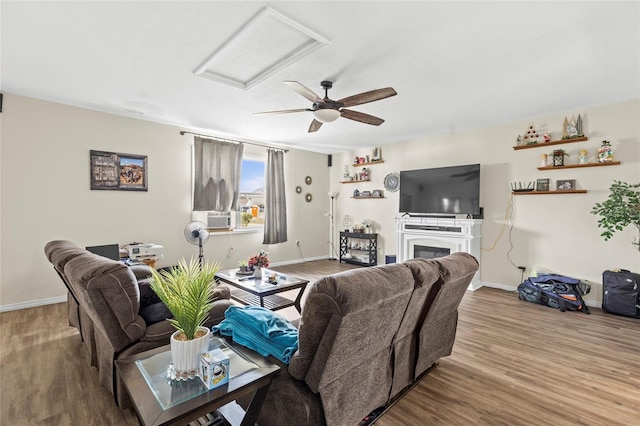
(368, 226)
(188, 291)
(257, 262)
(243, 266)
(246, 218)
(621, 209)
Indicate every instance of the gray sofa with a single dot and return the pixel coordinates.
(365, 336)
(114, 309)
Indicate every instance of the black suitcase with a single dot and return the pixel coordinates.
(621, 293)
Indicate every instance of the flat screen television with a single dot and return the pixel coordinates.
(441, 191)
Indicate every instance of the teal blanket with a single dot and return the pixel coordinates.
(260, 329)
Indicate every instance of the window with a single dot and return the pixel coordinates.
(252, 191)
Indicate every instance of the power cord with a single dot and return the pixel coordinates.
(508, 220)
(300, 250)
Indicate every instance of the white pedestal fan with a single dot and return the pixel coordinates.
(196, 233)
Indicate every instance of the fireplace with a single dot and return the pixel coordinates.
(431, 237)
(428, 252)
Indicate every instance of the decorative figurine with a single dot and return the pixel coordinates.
(565, 124)
(544, 161)
(605, 152)
(579, 126)
(546, 137)
(531, 135)
(583, 156)
(558, 157)
(572, 131)
(519, 140)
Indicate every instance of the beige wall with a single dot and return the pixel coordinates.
(46, 196)
(550, 232)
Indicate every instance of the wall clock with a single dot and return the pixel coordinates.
(392, 182)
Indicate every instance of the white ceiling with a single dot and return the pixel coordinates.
(455, 65)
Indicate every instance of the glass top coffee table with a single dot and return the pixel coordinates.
(161, 401)
(260, 292)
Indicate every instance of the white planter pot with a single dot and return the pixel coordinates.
(185, 355)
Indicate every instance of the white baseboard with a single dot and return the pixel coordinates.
(294, 261)
(33, 303)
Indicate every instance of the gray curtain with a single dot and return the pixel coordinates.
(217, 175)
(275, 221)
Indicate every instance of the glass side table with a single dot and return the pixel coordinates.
(160, 401)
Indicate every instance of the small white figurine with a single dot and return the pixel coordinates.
(583, 156)
(544, 160)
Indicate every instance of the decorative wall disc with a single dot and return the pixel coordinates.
(298, 189)
(307, 180)
(308, 198)
(392, 182)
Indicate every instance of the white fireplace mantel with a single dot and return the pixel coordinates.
(457, 235)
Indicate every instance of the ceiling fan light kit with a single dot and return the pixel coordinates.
(327, 110)
(326, 115)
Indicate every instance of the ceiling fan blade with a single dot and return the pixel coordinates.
(365, 97)
(304, 91)
(315, 125)
(361, 117)
(284, 111)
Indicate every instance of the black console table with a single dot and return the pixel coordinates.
(359, 248)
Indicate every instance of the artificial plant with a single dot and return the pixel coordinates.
(620, 210)
(188, 291)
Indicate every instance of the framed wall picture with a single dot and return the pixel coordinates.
(542, 184)
(566, 184)
(116, 171)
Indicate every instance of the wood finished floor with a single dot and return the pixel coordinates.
(514, 363)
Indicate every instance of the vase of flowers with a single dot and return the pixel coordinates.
(368, 226)
(257, 262)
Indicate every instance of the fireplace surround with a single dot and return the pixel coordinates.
(430, 237)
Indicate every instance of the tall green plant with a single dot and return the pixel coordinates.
(621, 209)
(188, 291)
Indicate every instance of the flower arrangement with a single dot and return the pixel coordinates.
(368, 223)
(259, 260)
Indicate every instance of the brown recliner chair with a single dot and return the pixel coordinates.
(108, 295)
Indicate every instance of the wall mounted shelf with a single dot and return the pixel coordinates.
(565, 191)
(362, 198)
(368, 164)
(355, 181)
(551, 143)
(576, 166)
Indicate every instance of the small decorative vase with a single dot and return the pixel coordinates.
(257, 272)
(185, 355)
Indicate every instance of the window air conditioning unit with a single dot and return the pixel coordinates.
(219, 221)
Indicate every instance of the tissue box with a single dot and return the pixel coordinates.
(214, 368)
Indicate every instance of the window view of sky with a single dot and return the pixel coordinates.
(252, 179)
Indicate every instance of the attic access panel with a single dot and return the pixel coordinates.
(266, 44)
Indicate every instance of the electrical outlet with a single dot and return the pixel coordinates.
(298, 243)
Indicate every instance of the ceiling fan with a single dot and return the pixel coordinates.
(327, 110)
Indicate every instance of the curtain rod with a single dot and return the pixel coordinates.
(183, 132)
